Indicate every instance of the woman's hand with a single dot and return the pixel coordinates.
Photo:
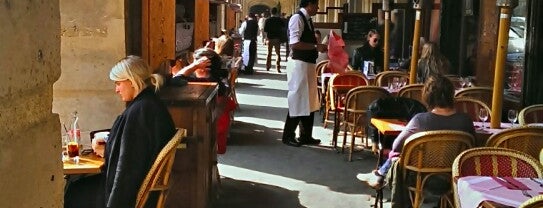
(98, 146)
(203, 62)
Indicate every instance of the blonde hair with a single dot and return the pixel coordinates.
(133, 68)
(434, 60)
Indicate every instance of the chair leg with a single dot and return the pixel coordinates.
(378, 198)
(351, 149)
(418, 191)
(344, 137)
(325, 119)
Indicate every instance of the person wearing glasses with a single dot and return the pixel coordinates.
(370, 51)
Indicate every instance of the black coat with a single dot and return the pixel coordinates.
(136, 138)
(391, 107)
(367, 53)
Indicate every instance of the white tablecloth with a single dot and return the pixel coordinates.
(472, 190)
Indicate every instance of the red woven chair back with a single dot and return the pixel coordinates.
(531, 114)
(494, 161)
(471, 107)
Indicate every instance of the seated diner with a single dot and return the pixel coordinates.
(135, 139)
(207, 68)
(438, 93)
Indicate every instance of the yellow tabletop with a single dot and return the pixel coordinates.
(88, 164)
(388, 126)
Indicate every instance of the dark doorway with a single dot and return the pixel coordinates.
(259, 9)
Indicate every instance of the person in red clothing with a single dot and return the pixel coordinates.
(207, 68)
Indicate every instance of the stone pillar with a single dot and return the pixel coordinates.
(487, 37)
(30, 144)
(92, 41)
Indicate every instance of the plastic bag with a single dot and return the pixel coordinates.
(339, 59)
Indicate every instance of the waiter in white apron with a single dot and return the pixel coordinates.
(301, 76)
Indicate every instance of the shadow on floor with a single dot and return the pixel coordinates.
(235, 193)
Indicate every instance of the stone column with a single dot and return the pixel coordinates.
(30, 144)
(487, 37)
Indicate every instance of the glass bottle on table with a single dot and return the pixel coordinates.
(73, 146)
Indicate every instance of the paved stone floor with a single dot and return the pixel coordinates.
(259, 171)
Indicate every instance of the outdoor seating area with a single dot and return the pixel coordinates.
(272, 103)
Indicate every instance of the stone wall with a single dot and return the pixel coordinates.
(92, 40)
(30, 165)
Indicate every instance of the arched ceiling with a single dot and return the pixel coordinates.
(287, 6)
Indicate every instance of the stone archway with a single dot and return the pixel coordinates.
(257, 5)
(259, 9)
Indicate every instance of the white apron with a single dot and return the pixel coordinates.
(245, 55)
(302, 88)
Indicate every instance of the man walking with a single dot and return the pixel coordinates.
(301, 76)
(273, 28)
(249, 31)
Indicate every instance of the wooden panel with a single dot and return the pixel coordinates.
(158, 31)
(230, 18)
(201, 22)
(193, 107)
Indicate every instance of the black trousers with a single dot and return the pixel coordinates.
(252, 56)
(306, 126)
(84, 192)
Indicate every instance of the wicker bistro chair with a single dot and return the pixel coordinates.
(383, 78)
(158, 177)
(531, 114)
(483, 94)
(413, 91)
(471, 107)
(354, 119)
(527, 139)
(429, 154)
(493, 161)
(535, 202)
(333, 101)
(321, 68)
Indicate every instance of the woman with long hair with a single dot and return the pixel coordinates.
(431, 63)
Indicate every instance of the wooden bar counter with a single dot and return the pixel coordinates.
(194, 173)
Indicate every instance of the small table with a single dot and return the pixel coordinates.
(482, 134)
(389, 127)
(88, 164)
(473, 190)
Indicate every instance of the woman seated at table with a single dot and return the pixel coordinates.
(438, 93)
(135, 139)
(207, 68)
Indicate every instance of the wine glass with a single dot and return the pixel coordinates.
(483, 115)
(512, 116)
(403, 81)
(395, 83)
(463, 82)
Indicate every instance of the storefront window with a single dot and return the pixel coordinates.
(515, 50)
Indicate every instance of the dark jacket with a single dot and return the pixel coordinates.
(251, 30)
(307, 36)
(391, 107)
(274, 27)
(135, 139)
(367, 53)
